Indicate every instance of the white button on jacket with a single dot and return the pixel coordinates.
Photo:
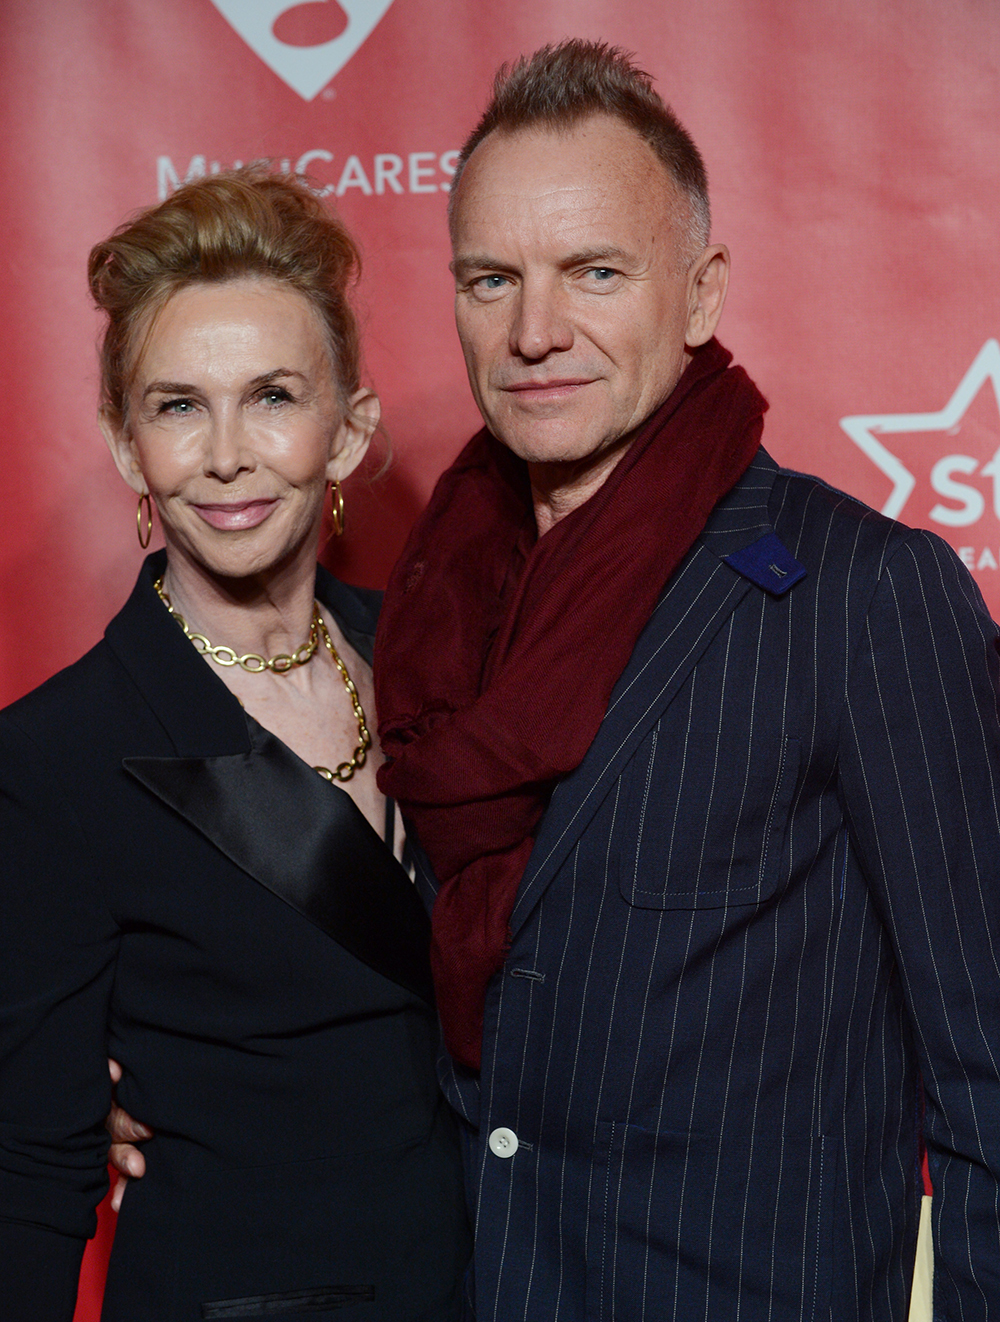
(503, 1142)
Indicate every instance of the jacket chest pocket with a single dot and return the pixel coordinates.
(707, 822)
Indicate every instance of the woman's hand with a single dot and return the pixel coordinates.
(127, 1160)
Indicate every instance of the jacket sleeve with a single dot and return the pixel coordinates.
(920, 777)
(56, 970)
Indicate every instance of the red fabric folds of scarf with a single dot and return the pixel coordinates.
(497, 650)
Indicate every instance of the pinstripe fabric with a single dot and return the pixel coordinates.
(764, 903)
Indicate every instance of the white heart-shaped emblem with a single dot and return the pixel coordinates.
(306, 69)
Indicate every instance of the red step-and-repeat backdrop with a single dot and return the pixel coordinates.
(852, 149)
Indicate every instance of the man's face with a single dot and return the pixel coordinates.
(574, 300)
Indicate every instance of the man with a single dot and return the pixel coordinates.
(703, 760)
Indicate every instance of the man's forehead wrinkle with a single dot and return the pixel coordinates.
(576, 225)
(581, 223)
(550, 199)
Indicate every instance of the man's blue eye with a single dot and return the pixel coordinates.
(493, 281)
(603, 272)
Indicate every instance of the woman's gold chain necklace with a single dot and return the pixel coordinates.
(345, 770)
(250, 661)
(280, 665)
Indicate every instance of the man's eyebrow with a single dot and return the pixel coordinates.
(596, 256)
(477, 261)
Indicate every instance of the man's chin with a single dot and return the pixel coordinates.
(562, 441)
(570, 443)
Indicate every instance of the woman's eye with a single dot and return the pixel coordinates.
(180, 406)
(275, 395)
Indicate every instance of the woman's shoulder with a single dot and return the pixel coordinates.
(79, 687)
(95, 699)
(64, 696)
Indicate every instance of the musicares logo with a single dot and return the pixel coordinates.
(304, 44)
(926, 485)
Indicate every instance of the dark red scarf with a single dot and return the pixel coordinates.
(497, 651)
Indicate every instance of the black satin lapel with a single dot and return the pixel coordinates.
(306, 841)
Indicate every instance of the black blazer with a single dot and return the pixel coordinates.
(180, 890)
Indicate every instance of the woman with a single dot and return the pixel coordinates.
(180, 888)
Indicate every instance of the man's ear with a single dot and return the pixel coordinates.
(123, 453)
(708, 281)
(351, 439)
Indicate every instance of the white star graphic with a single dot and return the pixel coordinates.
(864, 429)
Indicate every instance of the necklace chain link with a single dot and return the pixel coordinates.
(280, 665)
(250, 661)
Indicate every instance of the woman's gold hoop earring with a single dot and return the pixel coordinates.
(337, 509)
(149, 520)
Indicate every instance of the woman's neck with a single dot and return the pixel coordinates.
(268, 613)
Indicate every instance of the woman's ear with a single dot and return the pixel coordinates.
(708, 281)
(123, 452)
(351, 440)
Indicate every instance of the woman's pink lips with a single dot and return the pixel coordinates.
(236, 515)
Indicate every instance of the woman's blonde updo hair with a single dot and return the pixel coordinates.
(241, 223)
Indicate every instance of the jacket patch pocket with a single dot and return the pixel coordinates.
(706, 822)
(735, 1227)
(290, 1303)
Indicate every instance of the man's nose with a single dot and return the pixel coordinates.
(541, 323)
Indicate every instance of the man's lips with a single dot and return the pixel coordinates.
(231, 516)
(544, 391)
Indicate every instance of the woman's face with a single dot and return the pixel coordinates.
(235, 426)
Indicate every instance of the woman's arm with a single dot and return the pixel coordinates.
(56, 969)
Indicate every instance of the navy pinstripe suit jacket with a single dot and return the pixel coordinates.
(761, 909)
